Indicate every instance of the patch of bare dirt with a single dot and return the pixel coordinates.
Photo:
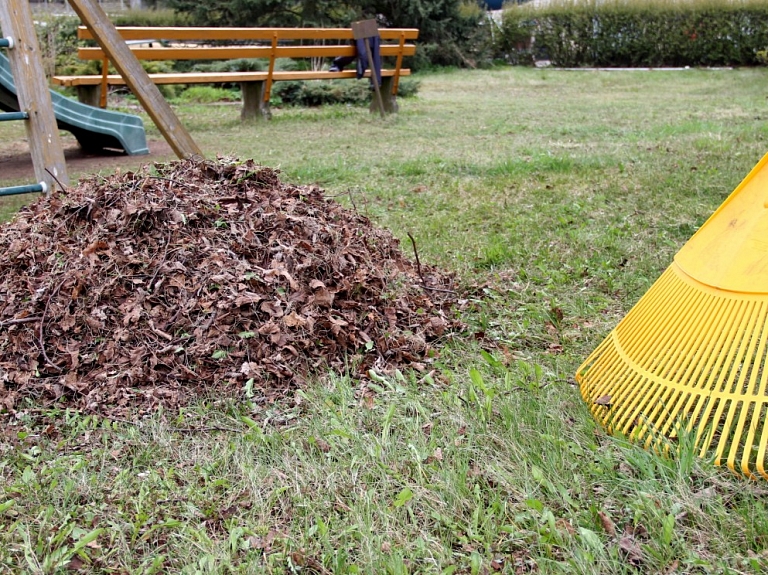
(147, 288)
(16, 163)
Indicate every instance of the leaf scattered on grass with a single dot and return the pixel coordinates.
(630, 547)
(608, 526)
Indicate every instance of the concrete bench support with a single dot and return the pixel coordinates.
(89, 94)
(254, 106)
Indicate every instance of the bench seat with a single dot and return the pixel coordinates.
(219, 77)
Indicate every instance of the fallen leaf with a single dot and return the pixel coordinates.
(75, 564)
(604, 400)
(437, 455)
(608, 526)
(294, 320)
(264, 543)
(555, 348)
(564, 525)
(630, 548)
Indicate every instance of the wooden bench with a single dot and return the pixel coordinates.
(266, 43)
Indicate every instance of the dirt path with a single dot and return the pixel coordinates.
(16, 163)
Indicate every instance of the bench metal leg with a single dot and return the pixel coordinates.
(388, 99)
(90, 95)
(254, 106)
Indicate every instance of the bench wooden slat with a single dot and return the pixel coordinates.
(265, 34)
(219, 77)
(194, 43)
(235, 52)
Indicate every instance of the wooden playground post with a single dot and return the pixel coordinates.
(137, 79)
(33, 94)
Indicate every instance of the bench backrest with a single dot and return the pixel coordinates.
(393, 43)
(278, 43)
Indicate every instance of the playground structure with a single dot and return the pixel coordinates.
(137, 79)
(34, 100)
(95, 129)
(25, 96)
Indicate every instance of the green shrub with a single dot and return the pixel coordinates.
(513, 41)
(57, 36)
(237, 65)
(408, 87)
(637, 33)
(451, 29)
(318, 93)
(207, 95)
(155, 17)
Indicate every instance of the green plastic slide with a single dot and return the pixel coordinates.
(95, 129)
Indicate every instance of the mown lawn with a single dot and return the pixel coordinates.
(557, 198)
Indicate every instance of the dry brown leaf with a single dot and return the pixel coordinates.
(75, 564)
(608, 526)
(437, 455)
(604, 400)
(294, 320)
(564, 525)
(630, 548)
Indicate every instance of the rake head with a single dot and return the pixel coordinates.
(691, 354)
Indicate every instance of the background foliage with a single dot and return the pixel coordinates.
(450, 31)
(635, 33)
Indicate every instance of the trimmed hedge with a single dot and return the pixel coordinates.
(637, 33)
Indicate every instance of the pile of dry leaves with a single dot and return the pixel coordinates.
(196, 277)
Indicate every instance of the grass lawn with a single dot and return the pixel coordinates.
(557, 198)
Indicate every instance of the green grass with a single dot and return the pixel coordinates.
(558, 198)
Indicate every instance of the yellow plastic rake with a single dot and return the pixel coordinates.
(691, 354)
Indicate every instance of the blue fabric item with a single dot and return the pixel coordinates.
(362, 57)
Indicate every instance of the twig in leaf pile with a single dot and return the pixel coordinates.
(17, 321)
(416, 255)
(352, 200)
(40, 339)
(418, 269)
(63, 189)
(162, 262)
(177, 182)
